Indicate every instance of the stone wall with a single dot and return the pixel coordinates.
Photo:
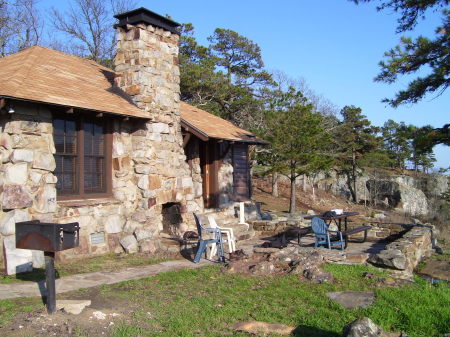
(27, 182)
(405, 253)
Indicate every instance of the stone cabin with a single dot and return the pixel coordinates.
(115, 151)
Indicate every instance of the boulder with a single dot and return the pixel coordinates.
(399, 195)
(353, 299)
(364, 327)
(129, 243)
(318, 275)
(392, 258)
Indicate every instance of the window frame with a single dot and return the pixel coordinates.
(79, 120)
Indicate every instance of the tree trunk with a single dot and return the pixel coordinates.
(350, 184)
(304, 182)
(355, 194)
(313, 192)
(292, 201)
(275, 184)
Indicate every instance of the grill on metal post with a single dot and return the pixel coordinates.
(50, 238)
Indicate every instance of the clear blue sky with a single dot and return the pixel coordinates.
(333, 44)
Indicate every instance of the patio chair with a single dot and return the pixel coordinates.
(322, 233)
(227, 237)
(216, 238)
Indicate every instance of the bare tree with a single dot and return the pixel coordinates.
(20, 25)
(29, 23)
(89, 24)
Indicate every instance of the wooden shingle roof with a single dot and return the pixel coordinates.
(45, 75)
(210, 126)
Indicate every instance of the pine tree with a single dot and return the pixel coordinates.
(297, 138)
(356, 139)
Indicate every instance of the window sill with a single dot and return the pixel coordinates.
(87, 202)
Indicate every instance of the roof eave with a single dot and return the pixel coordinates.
(194, 130)
(75, 107)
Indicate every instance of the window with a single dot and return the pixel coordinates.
(83, 157)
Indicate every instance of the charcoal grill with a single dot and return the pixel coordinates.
(49, 238)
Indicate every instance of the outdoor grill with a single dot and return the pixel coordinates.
(49, 238)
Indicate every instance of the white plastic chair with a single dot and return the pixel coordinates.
(227, 235)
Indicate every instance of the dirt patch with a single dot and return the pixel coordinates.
(105, 313)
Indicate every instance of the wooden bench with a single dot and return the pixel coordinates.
(355, 230)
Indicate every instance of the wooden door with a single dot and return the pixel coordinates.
(209, 171)
(241, 172)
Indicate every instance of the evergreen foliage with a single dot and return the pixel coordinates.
(356, 140)
(421, 53)
(298, 141)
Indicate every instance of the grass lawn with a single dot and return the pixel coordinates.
(206, 302)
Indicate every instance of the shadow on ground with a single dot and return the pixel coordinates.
(309, 331)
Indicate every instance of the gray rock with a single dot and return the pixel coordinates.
(44, 161)
(317, 275)
(362, 327)
(114, 224)
(353, 299)
(129, 243)
(15, 196)
(392, 258)
(310, 212)
(380, 216)
(74, 307)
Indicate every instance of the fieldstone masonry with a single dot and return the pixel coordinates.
(149, 164)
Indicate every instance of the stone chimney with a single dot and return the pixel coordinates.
(147, 63)
(147, 70)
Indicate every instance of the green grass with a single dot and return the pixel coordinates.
(10, 308)
(89, 265)
(206, 302)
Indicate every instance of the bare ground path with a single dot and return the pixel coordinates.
(75, 282)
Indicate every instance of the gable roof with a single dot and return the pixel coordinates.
(45, 75)
(48, 76)
(207, 125)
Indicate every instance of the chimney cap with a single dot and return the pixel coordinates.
(143, 15)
